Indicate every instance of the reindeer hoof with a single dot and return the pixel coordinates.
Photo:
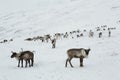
(31, 65)
(81, 65)
(72, 66)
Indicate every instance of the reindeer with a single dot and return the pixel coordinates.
(53, 41)
(28, 56)
(77, 53)
(66, 35)
(98, 29)
(29, 39)
(47, 37)
(91, 33)
(109, 33)
(100, 34)
(81, 34)
(57, 35)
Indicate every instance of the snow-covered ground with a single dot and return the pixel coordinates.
(20, 19)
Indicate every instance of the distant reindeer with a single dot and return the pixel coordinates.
(66, 35)
(47, 37)
(4, 41)
(109, 33)
(84, 30)
(29, 39)
(97, 28)
(53, 43)
(91, 33)
(100, 34)
(11, 40)
(77, 53)
(57, 35)
(81, 34)
(78, 36)
(28, 56)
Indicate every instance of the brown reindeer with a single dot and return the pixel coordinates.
(29, 39)
(47, 37)
(53, 41)
(28, 56)
(77, 53)
(100, 34)
(109, 33)
(91, 33)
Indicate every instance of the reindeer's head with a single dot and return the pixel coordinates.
(87, 51)
(13, 54)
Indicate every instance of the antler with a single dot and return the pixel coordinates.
(22, 49)
(12, 52)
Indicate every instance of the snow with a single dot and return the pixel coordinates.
(20, 19)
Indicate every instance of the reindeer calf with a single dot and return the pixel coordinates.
(28, 56)
(77, 53)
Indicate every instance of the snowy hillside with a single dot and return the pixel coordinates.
(21, 19)
(55, 15)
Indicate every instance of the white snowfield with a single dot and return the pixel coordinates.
(20, 19)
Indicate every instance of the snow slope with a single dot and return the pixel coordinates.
(55, 16)
(22, 19)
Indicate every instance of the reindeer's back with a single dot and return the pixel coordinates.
(73, 51)
(27, 54)
(76, 52)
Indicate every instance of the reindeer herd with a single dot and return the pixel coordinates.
(74, 34)
(98, 32)
(81, 53)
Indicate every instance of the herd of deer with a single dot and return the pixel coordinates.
(5, 40)
(74, 33)
(81, 53)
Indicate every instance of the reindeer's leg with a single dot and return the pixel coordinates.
(54, 45)
(26, 63)
(32, 61)
(47, 40)
(29, 63)
(19, 63)
(70, 62)
(81, 62)
(66, 62)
